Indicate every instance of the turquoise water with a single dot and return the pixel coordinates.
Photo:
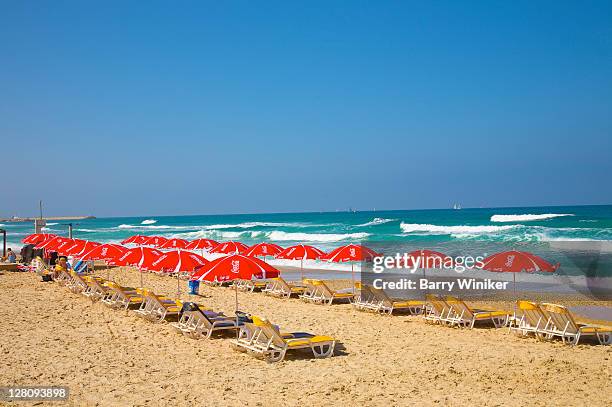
(328, 230)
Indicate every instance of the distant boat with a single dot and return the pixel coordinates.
(457, 206)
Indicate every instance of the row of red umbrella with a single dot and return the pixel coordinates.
(240, 265)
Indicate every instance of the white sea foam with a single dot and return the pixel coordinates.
(377, 221)
(527, 217)
(248, 225)
(155, 227)
(52, 224)
(148, 222)
(279, 235)
(447, 230)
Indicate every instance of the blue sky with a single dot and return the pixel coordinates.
(130, 108)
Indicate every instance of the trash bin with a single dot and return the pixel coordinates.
(194, 287)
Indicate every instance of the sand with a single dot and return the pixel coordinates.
(51, 336)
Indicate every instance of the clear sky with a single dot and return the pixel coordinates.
(157, 107)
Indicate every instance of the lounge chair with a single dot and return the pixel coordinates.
(562, 324)
(436, 310)
(96, 290)
(464, 316)
(250, 285)
(122, 297)
(325, 295)
(529, 318)
(280, 288)
(198, 323)
(77, 285)
(310, 290)
(386, 304)
(156, 308)
(266, 341)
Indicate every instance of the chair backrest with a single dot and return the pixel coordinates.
(460, 307)
(560, 317)
(367, 295)
(532, 313)
(310, 285)
(281, 283)
(382, 296)
(323, 288)
(270, 332)
(438, 305)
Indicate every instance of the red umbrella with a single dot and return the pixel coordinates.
(37, 238)
(81, 247)
(174, 244)
(136, 239)
(201, 244)
(235, 266)
(230, 247)
(52, 243)
(107, 252)
(352, 253)
(155, 241)
(515, 261)
(263, 249)
(138, 256)
(301, 252)
(64, 247)
(175, 261)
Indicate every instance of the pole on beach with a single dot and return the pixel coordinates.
(301, 269)
(353, 276)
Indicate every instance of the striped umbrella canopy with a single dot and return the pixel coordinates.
(201, 244)
(263, 249)
(36, 238)
(230, 247)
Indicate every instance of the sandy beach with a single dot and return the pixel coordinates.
(51, 336)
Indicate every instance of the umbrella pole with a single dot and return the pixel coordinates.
(301, 269)
(353, 276)
(514, 285)
(236, 292)
(178, 286)
(140, 271)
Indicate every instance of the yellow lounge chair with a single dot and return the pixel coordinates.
(267, 342)
(529, 318)
(436, 310)
(76, 284)
(366, 300)
(324, 295)
(202, 323)
(96, 290)
(464, 316)
(562, 324)
(156, 308)
(387, 304)
(121, 297)
(282, 289)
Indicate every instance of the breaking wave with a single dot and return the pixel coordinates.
(449, 230)
(148, 222)
(527, 217)
(377, 221)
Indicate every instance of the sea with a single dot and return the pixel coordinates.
(554, 231)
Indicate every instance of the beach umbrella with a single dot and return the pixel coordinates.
(263, 249)
(177, 261)
(154, 241)
(201, 244)
(50, 244)
(515, 261)
(230, 247)
(81, 247)
(301, 252)
(174, 244)
(353, 253)
(36, 238)
(136, 239)
(235, 266)
(138, 256)
(107, 252)
(64, 247)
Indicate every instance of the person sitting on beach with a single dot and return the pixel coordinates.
(11, 257)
